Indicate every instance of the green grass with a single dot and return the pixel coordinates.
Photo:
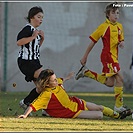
(9, 110)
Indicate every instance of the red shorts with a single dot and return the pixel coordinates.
(110, 67)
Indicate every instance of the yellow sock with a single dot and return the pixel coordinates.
(118, 96)
(98, 77)
(110, 113)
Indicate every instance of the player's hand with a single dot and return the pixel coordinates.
(41, 33)
(121, 44)
(35, 33)
(21, 116)
(83, 61)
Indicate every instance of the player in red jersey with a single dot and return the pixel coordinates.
(57, 103)
(111, 33)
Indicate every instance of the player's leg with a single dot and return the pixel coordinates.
(34, 93)
(85, 72)
(36, 75)
(108, 111)
(110, 81)
(31, 69)
(102, 78)
(90, 114)
(114, 70)
(37, 72)
(118, 90)
(96, 76)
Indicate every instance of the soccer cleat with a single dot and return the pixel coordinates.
(80, 73)
(120, 109)
(44, 113)
(125, 113)
(23, 106)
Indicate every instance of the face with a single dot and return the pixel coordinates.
(37, 19)
(53, 81)
(114, 16)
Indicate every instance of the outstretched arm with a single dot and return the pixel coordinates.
(26, 113)
(70, 75)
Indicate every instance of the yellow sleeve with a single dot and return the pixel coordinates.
(41, 102)
(97, 34)
(122, 33)
(60, 80)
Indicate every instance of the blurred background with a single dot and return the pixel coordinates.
(67, 26)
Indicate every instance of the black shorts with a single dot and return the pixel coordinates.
(28, 68)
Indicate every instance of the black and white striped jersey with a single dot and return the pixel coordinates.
(29, 51)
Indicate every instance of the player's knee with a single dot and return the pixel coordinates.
(100, 108)
(100, 115)
(110, 84)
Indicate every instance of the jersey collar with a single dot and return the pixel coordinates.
(109, 22)
(31, 26)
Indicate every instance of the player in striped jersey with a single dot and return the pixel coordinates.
(29, 39)
(57, 103)
(111, 33)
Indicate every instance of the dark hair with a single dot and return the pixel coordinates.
(33, 11)
(110, 7)
(43, 78)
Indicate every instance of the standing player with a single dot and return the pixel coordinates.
(30, 39)
(111, 33)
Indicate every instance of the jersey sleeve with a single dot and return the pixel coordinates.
(60, 80)
(41, 102)
(95, 36)
(25, 32)
(122, 33)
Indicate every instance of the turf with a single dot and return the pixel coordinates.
(9, 110)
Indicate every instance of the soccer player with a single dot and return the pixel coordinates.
(57, 103)
(111, 33)
(30, 38)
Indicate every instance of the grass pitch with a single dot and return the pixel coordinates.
(9, 110)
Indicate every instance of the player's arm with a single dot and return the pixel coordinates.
(26, 113)
(85, 56)
(41, 33)
(122, 44)
(69, 76)
(26, 40)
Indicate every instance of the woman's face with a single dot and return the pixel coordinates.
(114, 15)
(53, 81)
(37, 19)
